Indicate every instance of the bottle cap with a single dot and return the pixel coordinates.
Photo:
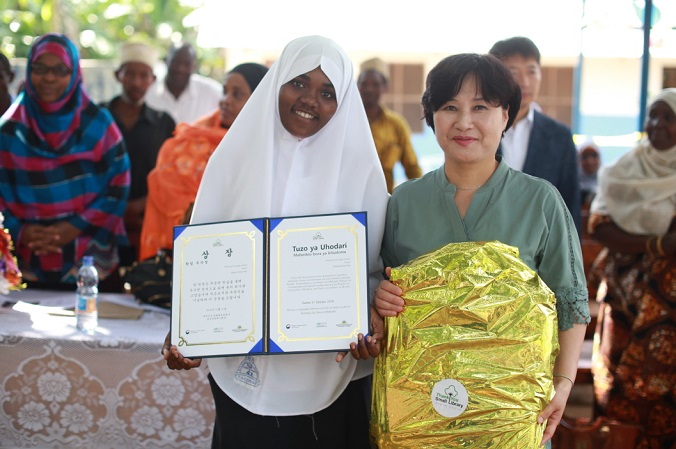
(88, 260)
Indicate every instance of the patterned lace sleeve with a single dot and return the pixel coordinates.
(572, 307)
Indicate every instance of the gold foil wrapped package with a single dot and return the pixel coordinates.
(468, 363)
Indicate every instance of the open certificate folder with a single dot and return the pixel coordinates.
(270, 285)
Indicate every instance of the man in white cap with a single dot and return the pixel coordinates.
(391, 133)
(144, 130)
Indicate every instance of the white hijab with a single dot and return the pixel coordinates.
(639, 190)
(260, 170)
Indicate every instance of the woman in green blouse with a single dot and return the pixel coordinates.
(470, 101)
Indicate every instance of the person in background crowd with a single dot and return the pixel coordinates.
(6, 78)
(173, 183)
(469, 102)
(537, 144)
(300, 146)
(64, 171)
(144, 130)
(390, 131)
(590, 162)
(184, 94)
(633, 216)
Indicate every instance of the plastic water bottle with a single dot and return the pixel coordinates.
(86, 313)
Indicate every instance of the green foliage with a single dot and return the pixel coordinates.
(97, 27)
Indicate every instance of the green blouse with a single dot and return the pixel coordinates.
(512, 207)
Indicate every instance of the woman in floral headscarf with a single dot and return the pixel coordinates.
(64, 172)
(634, 361)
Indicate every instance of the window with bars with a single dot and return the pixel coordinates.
(668, 77)
(407, 82)
(556, 93)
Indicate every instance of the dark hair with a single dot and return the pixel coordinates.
(180, 46)
(518, 45)
(589, 148)
(363, 73)
(252, 72)
(4, 63)
(493, 79)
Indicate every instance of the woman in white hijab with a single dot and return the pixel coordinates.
(301, 145)
(632, 215)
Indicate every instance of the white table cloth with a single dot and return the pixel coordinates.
(61, 388)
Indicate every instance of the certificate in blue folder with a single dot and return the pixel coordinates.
(270, 285)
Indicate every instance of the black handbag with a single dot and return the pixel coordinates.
(150, 280)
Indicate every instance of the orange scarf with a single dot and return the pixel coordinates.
(173, 183)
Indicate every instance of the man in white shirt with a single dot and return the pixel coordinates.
(537, 144)
(185, 95)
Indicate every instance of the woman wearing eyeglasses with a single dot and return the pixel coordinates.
(64, 171)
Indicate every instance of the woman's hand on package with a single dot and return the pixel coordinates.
(175, 359)
(553, 413)
(388, 299)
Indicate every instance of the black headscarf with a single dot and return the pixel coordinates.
(253, 73)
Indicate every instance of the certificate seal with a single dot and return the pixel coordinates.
(449, 398)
